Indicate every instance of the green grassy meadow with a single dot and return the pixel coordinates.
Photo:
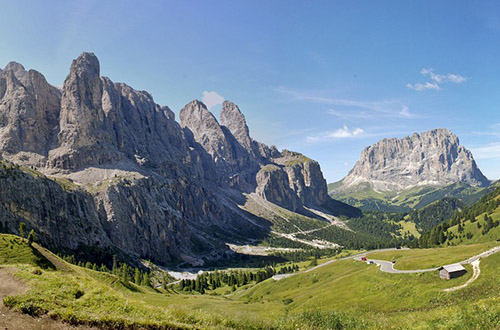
(343, 294)
(430, 258)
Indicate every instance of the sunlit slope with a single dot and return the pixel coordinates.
(343, 294)
(365, 197)
(392, 300)
(478, 223)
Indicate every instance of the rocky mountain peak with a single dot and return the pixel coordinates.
(11, 81)
(206, 130)
(234, 120)
(15, 67)
(86, 64)
(81, 106)
(430, 158)
(147, 185)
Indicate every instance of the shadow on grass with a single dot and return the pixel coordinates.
(41, 261)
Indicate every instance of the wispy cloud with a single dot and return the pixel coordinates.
(211, 99)
(423, 86)
(436, 80)
(341, 133)
(357, 108)
(440, 78)
(488, 151)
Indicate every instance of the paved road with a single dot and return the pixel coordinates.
(387, 266)
(282, 276)
(481, 255)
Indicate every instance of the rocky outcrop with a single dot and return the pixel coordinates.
(62, 218)
(29, 111)
(430, 158)
(148, 185)
(232, 118)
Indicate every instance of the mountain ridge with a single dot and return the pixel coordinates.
(156, 188)
(393, 170)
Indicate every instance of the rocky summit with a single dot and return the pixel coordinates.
(432, 158)
(100, 164)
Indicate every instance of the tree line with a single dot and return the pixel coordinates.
(439, 234)
(235, 278)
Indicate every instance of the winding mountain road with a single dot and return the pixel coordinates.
(388, 267)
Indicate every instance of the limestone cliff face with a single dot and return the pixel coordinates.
(274, 186)
(148, 185)
(61, 218)
(292, 182)
(430, 158)
(29, 111)
(288, 179)
(232, 118)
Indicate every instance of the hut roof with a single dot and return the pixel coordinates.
(453, 268)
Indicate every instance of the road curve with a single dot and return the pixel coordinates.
(282, 276)
(387, 266)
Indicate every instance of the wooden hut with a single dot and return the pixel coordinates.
(451, 271)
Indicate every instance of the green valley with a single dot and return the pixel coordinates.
(343, 294)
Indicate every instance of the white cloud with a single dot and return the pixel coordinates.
(370, 109)
(436, 80)
(440, 78)
(341, 133)
(211, 99)
(422, 87)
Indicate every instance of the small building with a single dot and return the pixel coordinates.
(451, 271)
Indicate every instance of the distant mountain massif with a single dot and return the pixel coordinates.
(412, 172)
(97, 164)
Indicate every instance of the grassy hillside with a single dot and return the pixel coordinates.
(391, 300)
(293, 230)
(431, 258)
(477, 223)
(344, 294)
(366, 198)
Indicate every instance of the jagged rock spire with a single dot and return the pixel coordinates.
(234, 120)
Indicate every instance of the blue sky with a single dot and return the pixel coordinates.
(325, 78)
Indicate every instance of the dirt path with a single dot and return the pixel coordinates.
(475, 275)
(11, 320)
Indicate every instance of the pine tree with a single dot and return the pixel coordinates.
(137, 276)
(145, 279)
(22, 229)
(114, 270)
(31, 237)
(124, 276)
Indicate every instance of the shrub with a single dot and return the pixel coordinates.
(78, 294)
